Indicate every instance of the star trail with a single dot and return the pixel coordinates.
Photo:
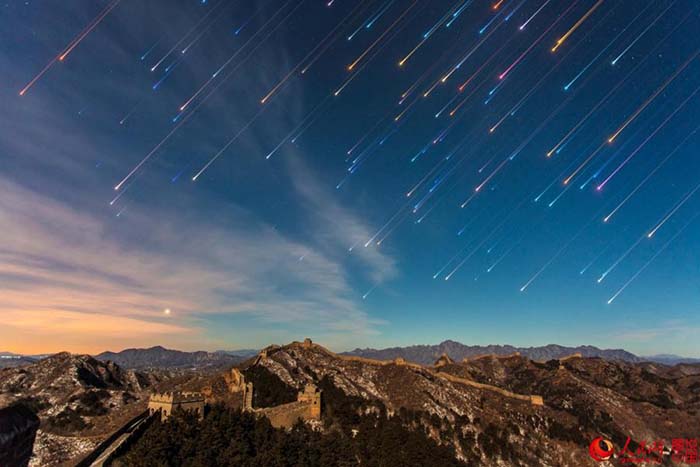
(536, 146)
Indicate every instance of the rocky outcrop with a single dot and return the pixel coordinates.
(18, 427)
(79, 400)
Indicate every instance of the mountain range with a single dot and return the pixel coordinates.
(160, 357)
(427, 354)
(491, 410)
(488, 410)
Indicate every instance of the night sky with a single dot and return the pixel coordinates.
(228, 174)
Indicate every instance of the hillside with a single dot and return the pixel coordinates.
(482, 411)
(583, 398)
(79, 400)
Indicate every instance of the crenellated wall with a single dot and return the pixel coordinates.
(533, 399)
(283, 420)
(306, 407)
(166, 402)
(286, 415)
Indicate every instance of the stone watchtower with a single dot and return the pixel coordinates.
(443, 361)
(248, 396)
(311, 396)
(237, 383)
(166, 402)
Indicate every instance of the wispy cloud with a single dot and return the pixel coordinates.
(666, 336)
(73, 276)
(338, 227)
(66, 272)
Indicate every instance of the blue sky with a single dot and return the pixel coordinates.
(272, 249)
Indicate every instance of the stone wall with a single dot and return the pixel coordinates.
(306, 407)
(286, 415)
(165, 403)
(533, 399)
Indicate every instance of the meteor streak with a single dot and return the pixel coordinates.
(488, 25)
(367, 294)
(128, 114)
(71, 45)
(197, 106)
(620, 259)
(646, 140)
(460, 63)
(673, 211)
(309, 117)
(227, 145)
(87, 30)
(517, 151)
(652, 97)
(397, 21)
(237, 52)
(557, 255)
(435, 27)
(354, 75)
(328, 43)
(510, 15)
(651, 174)
(570, 83)
(648, 263)
(524, 25)
(578, 23)
(325, 41)
(182, 39)
(610, 93)
(148, 52)
(457, 13)
(522, 101)
(594, 260)
(537, 41)
(250, 18)
(614, 62)
(492, 232)
(381, 12)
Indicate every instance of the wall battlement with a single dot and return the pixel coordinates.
(571, 357)
(306, 407)
(491, 355)
(533, 399)
(176, 397)
(166, 402)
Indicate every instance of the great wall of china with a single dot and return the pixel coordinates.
(307, 406)
(308, 344)
(308, 403)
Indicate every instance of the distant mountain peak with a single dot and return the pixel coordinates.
(427, 354)
(160, 357)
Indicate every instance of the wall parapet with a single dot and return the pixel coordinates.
(533, 399)
(167, 402)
